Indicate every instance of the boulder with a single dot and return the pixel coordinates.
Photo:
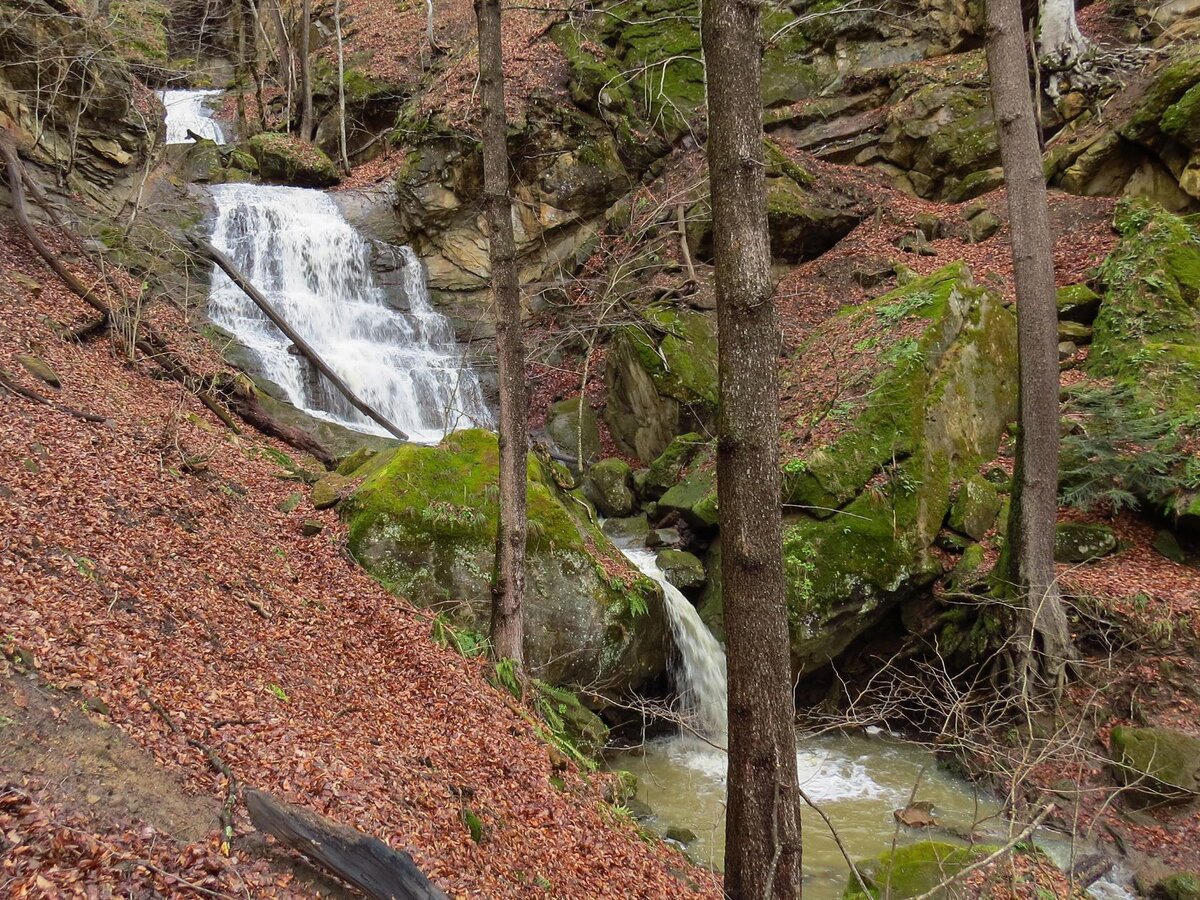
(609, 485)
(1158, 762)
(283, 157)
(1077, 303)
(424, 524)
(329, 491)
(933, 414)
(912, 870)
(975, 507)
(695, 495)
(1180, 886)
(682, 569)
(571, 427)
(1146, 335)
(1074, 332)
(631, 531)
(661, 387)
(1077, 543)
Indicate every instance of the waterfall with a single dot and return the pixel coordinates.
(189, 110)
(296, 247)
(699, 672)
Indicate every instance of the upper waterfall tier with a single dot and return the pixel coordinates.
(188, 110)
(295, 246)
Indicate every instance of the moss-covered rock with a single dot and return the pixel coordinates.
(1180, 886)
(1146, 336)
(662, 380)
(571, 428)
(424, 524)
(694, 496)
(609, 485)
(329, 491)
(682, 569)
(1077, 303)
(666, 470)
(975, 507)
(911, 871)
(934, 413)
(1171, 85)
(1076, 542)
(283, 157)
(1160, 762)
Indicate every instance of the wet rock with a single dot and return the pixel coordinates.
(1077, 543)
(631, 531)
(679, 835)
(682, 569)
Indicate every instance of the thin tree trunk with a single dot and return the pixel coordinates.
(239, 68)
(762, 823)
(1042, 639)
(508, 591)
(337, 25)
(306, 100)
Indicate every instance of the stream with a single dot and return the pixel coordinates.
(401, 356)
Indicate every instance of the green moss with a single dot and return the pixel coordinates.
(449, 491)
(667, 469)
(283, 157)
(913, 870)
(1182, 118)
(778, 163)
(1147, 333)
(139, 31)
(683, 364)
(1172, 83)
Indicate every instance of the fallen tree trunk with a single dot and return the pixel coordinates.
(208, 251)
(359, 859)
(242, 399)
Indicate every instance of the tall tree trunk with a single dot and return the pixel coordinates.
(1041, 648)
(341, 56)
(508, 591)
(762, 825)
(1059, 37)
(240, 67)
(306, 103)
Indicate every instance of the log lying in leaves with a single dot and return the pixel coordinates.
(243, 400)
(358, 859)
(208, 251)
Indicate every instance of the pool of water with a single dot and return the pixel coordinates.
(857, 779)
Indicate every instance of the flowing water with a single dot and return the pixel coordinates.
(189, 110)
(858, 780)
(314, 268)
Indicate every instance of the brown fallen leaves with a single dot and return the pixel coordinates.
(122, 573)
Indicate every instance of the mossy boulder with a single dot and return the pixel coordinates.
(571, 428)
(1076, 542)
(694, 496)
(877, 494)
(662, 380)
(975, 507)
(682, 569)
(1146, 336)
(283, 157)
(911, 871)
(1077, 303)
(329, 491)
(1159, 762)
(666, 470)
(609, 485)
(424, 524)
(1164, 102)
(630, 531)
(1180, 886)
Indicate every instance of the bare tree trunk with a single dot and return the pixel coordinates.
(337, 25)
(762, 823)
(1042, 639)
(508, 590)
(1059, 37)
(239, 68)
(306, 104)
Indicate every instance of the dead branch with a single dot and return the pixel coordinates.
(8, 381)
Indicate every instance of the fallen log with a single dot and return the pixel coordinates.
(211, 253)
(241, 398)
(358, 859)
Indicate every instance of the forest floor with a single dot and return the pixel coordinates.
(155, 565)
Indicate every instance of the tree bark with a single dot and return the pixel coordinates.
(762, 825)
(1041, 648)
(306, 103)
(341, 56)
(1059, 38)
(508, 590)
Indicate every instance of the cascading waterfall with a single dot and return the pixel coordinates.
(699, 672)
(295, 246)
(187, 110)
